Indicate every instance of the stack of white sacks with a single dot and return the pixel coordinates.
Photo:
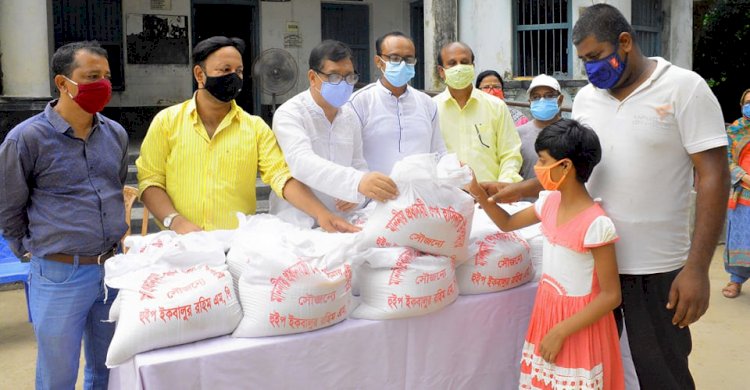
(413, 256)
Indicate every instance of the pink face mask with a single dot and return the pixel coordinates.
(92, 97)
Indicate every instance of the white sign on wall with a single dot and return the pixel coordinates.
(161, 5)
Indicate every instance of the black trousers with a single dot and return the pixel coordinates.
(660, 350)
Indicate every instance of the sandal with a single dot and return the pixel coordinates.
(732, 290)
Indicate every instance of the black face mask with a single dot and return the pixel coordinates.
(224, 88)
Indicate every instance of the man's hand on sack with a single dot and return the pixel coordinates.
(332, 223)
(378, 186)
(344, 206)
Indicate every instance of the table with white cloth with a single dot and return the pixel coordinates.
(475, 343)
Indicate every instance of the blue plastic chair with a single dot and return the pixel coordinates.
(13, 270)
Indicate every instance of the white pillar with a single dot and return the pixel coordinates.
(440, 27)
(25, 48)
(680, 48)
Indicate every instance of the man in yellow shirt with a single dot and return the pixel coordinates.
(200, 158)
(476, 126)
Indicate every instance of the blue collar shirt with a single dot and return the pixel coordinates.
(59, 193)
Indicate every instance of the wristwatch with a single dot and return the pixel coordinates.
(169, 219)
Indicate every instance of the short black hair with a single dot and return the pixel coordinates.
(440, 53)
(64, 59)
(486, 73)
(379, 41)
(329, 50)
(604, 22)
(204, 48)
(569, 139)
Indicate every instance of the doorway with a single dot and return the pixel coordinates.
(232, 18)
(350, 24)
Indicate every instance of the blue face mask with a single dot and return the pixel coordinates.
(746, 110)
(336, 94)
(544, 109)
(398, 75)
(605, 73)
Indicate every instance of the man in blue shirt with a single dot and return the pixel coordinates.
(61, 207)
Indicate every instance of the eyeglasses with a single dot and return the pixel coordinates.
(336, 79)
(394, 59)
(489, 87)
(546, 96)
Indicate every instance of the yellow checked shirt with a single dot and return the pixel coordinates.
(210, 179)
(482, 134)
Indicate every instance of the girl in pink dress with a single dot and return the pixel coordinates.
(572, 340)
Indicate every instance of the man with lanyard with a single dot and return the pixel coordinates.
(200, 159)
(658, 124)
(321, 138)
(397, 120)
(476, 126)
(61, 207)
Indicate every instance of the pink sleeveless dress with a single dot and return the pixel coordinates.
(590, 358)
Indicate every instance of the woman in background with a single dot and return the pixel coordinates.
(737, 249)
(490, 82)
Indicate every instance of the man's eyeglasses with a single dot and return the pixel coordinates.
(394, 59)
(336, 79)
(546, 96)
(489, 87)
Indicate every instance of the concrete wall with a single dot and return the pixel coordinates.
(487, 26)
(677, 36)
(273, 18)
(24, 47)
(154, 85)
(440, 26)
(385, 16)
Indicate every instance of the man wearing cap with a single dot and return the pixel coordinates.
(476, 126)
(546, 99)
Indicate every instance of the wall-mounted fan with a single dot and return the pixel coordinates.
(276, 71)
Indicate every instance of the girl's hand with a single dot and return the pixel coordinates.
(475, 189)
(551, 344)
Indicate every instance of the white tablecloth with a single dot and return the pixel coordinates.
(475, 343)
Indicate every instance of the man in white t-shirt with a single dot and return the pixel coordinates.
(321, 138)
(656, 123)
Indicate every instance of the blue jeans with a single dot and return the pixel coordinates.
(67, 305)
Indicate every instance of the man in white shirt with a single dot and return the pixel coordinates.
(320, 136)
(397, 120)
(657, 124)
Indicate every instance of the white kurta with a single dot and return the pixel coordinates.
(325, 156)
(396, 127)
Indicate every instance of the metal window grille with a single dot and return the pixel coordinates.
(542, 37)
(648, 20)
